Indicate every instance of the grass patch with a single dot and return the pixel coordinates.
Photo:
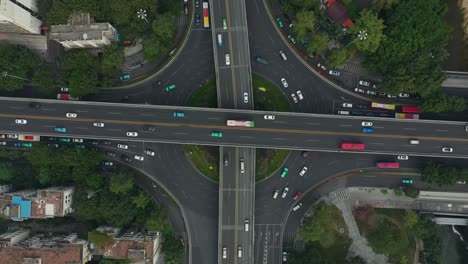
(272, 99)
(205, 95)
(268, 161)
(388, 233)
(205, 159)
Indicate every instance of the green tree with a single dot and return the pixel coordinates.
(94, 181)
(373, 26)
(19, 63)
(121, 183)
(100, 239)
(321, 228)
(81, 72)
(356, 260)
(319, 43)
(436, 173)
(304, 23)
(44, 79)
(411, 218)
(112, 59)
(164, 28)
(154, 48)
(141, 200)
(158, 221)
(117, 210)
(385, 4)
(411, 191)
(398, 192)
(440, 102)
(387, 239)
(339, 57)
(425, 230)
(172, 249)
(6, 172)
(114, 261)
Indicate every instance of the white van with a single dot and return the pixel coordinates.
(295, 208)
(239, 252)
(242, 166)
(220, 40)
(414, 141)
(246, 225)
(275, 194)
(283, 55)
(343, 112)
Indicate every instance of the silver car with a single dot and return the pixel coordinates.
(138, 157)
(285, 192)
(447, 149)
(122, 146)
(228, 59)
(21, 121)
(98, 124)
(299, 94)
(284, 82)
(132, 134)
(269, 117)
(294, 97)
(71, 115)
(246, 97)
(303, 171)
(149, 152)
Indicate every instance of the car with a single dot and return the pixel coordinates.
(224, 252)
(53, 145)
(402, 157)
(246, 98)
(239, 252)
(216, 134)
(138, 157)
(224, 24)
(178, 114)
(357, 90)
(370, 92)
(382, 94)
(261, 60)
(78, 140)
(80, 146)
(293, 40)
(285, 256)
(305, 154)
(226, 160)
(347, 105)
(66, 140)
(285, 192)
(71, 115)
(284, 172)
(227, 59)
(447, 149)
(60, 129)
(52, 138)
(170, 87)
(275, 194)
(124, 77)
(21, 121)
(366, 124)
(3, 143)
(297, 207)
(297, 195)
(367, 130)
(17, 144)
(106, 142)
(269, 117)
(110, 154)
(149, 152)
(64, 89)
(294, 97)
(132, 134)
(321, 66)
(197, 3)
(197, 19)
(283, 55)
(126, 158)
(107, 163)
(280, 22)
(94, 142)
(407, 181)
(98, 124)
(461, 182)
(391, 96)
(299, 94)
(403, 95)
(335, 73)
(122, 146)
(303, 171)
(364, 83)
(35, 105)
(284, 82)
(2, 135)
(151, 128)
(26, 144)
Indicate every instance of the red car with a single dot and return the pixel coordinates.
(297, 195)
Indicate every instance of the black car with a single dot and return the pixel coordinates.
(197, 3)
(106, 142)
(52, 138)
(34, 105)
(197, 19)
(110, 154)
(126, 158)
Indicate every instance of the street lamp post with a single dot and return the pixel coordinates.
(362, 35)
(142, 14)
(5, 74)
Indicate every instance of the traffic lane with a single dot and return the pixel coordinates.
(246, 205)
(266, 243)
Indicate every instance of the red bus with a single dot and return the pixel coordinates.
(355, 146)
(411, 109)
(388, 165)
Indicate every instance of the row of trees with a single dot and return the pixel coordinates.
(441, 174)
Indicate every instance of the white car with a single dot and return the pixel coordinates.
(228, 59)
(285, 192)
(132, 134)
(364, 83)
(335, 73)
(224, 252)
(98, 124)
(447, 149)
(366, 124)
(461, 182)
(122, 146)
(321, 66)
(71, 115)
(149, 152)
(357, 90)
(285, 256)
(299, 94)
(347, 105)
(275, 194)
(21, 121)
(269, 117)
(2, 143)
(402, 157)
(403, 95)
(284, 82)
(64, 89)
(294, 97)
(246, 97)
(12, 135)
(138, 157)
(303, 171)
(78, 140)
(391, 96)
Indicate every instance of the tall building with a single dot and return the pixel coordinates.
(47, 203)
(19, 16)
(18, 247)
(82, 32)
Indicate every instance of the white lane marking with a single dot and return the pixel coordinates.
(346, 125)
(82, 111)
(378, 143)
(114, 113)
(409, 128)
(49, 109)
(246, 137)
(181, 133)
(16, 107)
(332, 162)
(313, 140)
(114, 129)
(315, 124)
(214, 118)
(48, 126)
(146, 114)
(378, 127)
(280, 122)
(442, 130)
(279, 138)
(81, 127)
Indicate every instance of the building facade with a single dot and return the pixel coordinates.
(19, 17)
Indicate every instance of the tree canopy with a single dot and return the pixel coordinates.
(440, 174)
(373, 26)
(18, 65)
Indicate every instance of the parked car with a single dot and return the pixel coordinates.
(124, 77)
(284, 172)
(149, 152)
(138, 157)
(347, 105)
(285, 192)
(299, 94)
(297, 196)
(334, 73)
(364, 83)
(294, 97)
(321, 66)
(358, 90)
